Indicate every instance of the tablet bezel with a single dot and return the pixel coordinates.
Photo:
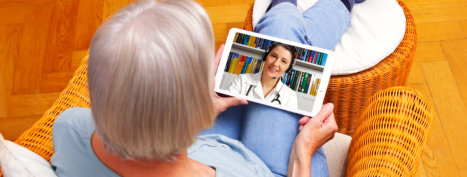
(324, 80)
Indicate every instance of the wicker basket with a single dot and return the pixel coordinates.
(350, 92)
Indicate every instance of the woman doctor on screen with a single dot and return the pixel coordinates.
(267, 85)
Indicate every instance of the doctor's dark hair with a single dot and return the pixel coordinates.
(291, 49)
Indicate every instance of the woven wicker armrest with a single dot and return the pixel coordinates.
(38, 138)
(391, 134)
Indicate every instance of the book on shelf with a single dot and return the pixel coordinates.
(253, 41)
(297, 80)
(302, 82)
(302, 54)
(241, 64)
(314, 87)
(311, 56)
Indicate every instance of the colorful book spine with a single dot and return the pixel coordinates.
(317, 86)
(307, 87)
(247, 64)
(249, 70)
(312, 87)
(320, 56)
(233, 65)
(311, 56)
(305, 78)
(239, 67)
(299, 87)
(297, 81)
(229, 59)
(241, 64)
(325, 57)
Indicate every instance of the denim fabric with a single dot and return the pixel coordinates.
(321, 25)
(276, 2)
(270, 132)
(228, 123)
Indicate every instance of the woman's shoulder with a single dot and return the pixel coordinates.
(74, 117)
(73, 121)
(72, 134)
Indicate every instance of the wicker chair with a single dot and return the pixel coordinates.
(393, 130)
(350, 92)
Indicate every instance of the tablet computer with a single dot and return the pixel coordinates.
(274, 72)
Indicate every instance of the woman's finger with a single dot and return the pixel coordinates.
(304, 120)
(234, 101)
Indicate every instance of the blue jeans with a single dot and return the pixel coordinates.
(322, 25)
(270, 132)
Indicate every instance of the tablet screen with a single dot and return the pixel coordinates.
(275, 72)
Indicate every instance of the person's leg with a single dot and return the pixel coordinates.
(276, 2)
(325, 23)
(228, 123)
(283, 21)
(348, 4)
(321, 25)
(270, 134)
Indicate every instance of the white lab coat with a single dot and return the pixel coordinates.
(242, 83)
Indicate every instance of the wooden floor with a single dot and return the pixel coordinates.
(43, 41)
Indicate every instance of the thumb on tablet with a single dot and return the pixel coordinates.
(325, 111)
(222, 103)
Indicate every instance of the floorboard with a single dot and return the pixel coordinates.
(10, 36)
(456, 55)
(429, 51)
(449, 105)
(17, 125)
(28, 68)
(437, 157)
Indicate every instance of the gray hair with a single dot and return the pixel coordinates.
(150, 79)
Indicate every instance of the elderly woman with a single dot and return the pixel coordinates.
(151, 80)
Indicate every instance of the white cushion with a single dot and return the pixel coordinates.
(336, 151)
(17, 161)
(376, 29)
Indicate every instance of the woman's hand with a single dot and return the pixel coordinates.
(314, 132)
(222, 103)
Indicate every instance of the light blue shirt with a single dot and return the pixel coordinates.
(73, 154)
